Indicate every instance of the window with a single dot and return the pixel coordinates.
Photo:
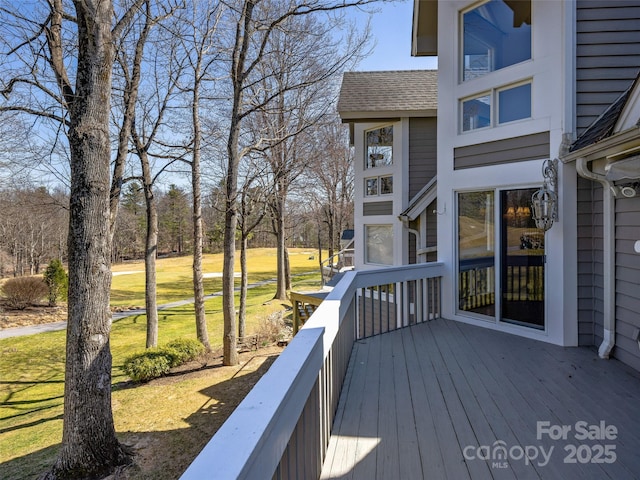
(379, 244)
(476, 113)
(378, 186)
(514, 103)
(379, 147)
(497, 34)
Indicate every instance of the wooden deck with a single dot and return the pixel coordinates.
(439, 399)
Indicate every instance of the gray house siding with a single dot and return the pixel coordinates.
(590, 272)
(422, 153)
(627, 280)
(590, 267)
(607, 54)
(377, 208)
(515, 149)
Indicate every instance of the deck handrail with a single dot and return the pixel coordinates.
(270, 430)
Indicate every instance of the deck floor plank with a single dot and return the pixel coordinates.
(365, 461)
(424, 415)
(415, 398)
(387, 452)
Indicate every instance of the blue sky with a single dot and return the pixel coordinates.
(391, 28)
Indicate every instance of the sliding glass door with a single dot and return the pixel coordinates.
(516, 271)
(521, 261)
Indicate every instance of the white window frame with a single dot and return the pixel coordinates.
(378, 180)
(494, 107)
(366, 243)
(366, 148)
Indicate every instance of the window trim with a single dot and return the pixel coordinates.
(461, 44)
(366, 147)
(378, 179)
(366, 243)
(494, 107)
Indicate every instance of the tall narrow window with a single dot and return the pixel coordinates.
(496, 34)
(379, 244)
(379, 147)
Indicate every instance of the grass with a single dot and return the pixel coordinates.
(169, 420)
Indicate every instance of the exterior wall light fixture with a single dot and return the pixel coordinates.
(544, 202)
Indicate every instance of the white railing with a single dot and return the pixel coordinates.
(282, 427)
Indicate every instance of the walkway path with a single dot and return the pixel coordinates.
(51, 327)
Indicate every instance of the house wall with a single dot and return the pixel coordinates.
(516, 149)
(590, 266)
(551, 73)
(383, 209)
(422, 153)
(607, 54)
(627, 280)
(377, 208)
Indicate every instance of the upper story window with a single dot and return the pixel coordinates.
(513, 103)
(496, 34)
(375, 186)
(379, 147)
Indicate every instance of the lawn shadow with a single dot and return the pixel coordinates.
(164, 455)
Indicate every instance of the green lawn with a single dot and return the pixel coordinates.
(173, 417)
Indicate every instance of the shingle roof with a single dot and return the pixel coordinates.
(602, 127)
(388, 91)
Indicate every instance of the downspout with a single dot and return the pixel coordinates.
(405, 223)
(609, 265)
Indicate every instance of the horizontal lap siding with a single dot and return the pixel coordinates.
(607, 54)
(377, 208)
(422, 153)
(585, 263)
(627, 280)
(515, 149)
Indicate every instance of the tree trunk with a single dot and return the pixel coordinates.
(150, 253)
(198, 286)
(229, 347)
(281, 268)
(243, 287)
(230, 352)
(89, 444)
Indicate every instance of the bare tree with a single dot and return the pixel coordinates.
(300, 78)
(201, 52)
(252, 210)
(332, 174)
(255, 22)
(90, 447)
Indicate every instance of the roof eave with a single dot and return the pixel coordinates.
(615, 143)
(374, 116)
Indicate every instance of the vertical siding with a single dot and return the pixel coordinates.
(590, 268)
(607, 54)
(422, 153)
(627, 280)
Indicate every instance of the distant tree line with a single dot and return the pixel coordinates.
(34, 223)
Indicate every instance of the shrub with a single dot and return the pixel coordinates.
(145, 366)
(57, 281)
(273, 329)
(187, 349)
(21, 292)
(156, 362)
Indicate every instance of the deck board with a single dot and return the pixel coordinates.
(416, 397)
